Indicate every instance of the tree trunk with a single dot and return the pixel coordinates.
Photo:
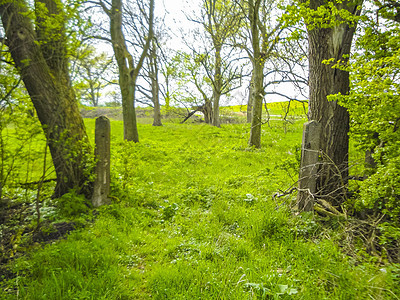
(324, 44)
(126, 82)
(257, 92)
(124, 78)
(128, 73)
(128, 110)
(157, 113)
(208, 111)
(155, 89)
(217, 86)
(250, 100)
(257, 96)
(45, 75)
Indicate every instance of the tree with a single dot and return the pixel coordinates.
(151, 92)
(263, 39)
(201, 83)
(41, 59)
(221, 20)
(155, 87)
(193, 84)
(194, 73)
(91, 72)
(257, 83)
(148, 83)
(331, 26)
(128, 70)
(167, 69)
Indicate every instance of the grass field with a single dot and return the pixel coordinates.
(194, 217)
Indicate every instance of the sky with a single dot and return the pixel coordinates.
(173, 8)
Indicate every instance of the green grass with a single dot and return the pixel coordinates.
(194, 218)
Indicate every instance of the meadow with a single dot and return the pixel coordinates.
(196, 214)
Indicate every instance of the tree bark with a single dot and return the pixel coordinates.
(250, 100)
(45, 75)
(128, 72)
(221, 22)
(207, 111)
(217, 85)
(257, 96)
(155, 89)
(125, 79)
(325, 44)
(257, 91)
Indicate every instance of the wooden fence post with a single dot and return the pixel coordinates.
(102, 154)
(309, 165)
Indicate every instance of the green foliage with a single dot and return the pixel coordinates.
(186, 70)
(196, 220)
(72, 205)
(89, 76)
(169, 211)
(326, 14)
(195, 216)
(306, 226)
(264, 291)
(21, 141)
(374, 109)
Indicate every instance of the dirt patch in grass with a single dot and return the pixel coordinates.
(18, 234)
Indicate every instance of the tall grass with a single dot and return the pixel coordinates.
(194, 218)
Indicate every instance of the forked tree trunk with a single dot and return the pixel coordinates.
(128, 72)
(207, 107)
(207, 111)
(325, 44)
(45, 75)
(125, 68)
(263, 41)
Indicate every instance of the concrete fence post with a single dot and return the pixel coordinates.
(102, 154)
(309, 165)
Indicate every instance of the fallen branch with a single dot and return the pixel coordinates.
(285, 193)
(37, 182)
(330, 207)
(319, 209)
(199, 108)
